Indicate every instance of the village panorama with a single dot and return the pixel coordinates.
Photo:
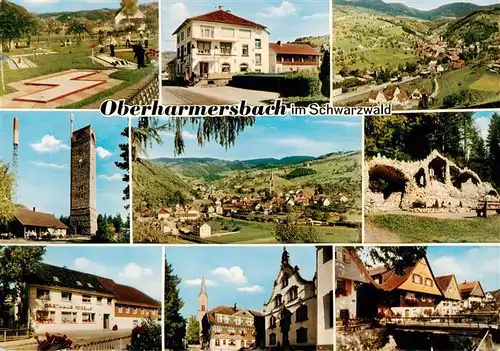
(284, 180)
(416, 58)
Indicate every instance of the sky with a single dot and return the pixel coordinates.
(44, 157)
(482, 120)
(426, 5)
(276, 137)
(45, 6)
(140, 266)
(234, 274)
(468, 263)
(285, 20)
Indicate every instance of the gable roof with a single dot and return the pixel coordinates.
(128, 294)
(229, 311)
(294, 49)
(66, 278)
(221, 16)
(38, 219)
(392, 281)
(466, 288)
(444, 281)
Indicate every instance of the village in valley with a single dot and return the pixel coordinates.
(417, 298)
(253, 200)
(448, 57)
(62, 55)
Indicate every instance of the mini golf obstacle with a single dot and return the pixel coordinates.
(18, 62)
(60, 86)
(113, 62)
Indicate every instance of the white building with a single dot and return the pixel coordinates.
(452, 303)
(204, 230)
(472, 294)
(348, 273)
(62, 300)
(291, 312)
(219, 44)
(136, 19)
(324, 282)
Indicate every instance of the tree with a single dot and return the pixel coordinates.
(78, 26)
(118, 222)
(146, 337)
(124, 166)
(290, 232)
(175, 324)
(16, 262)
(15, 21)
(223, 130)
(193, 331)
(53, 26)
(324, 74)
(397, 257)
(105, 230)
(494, 148)
(7, 182)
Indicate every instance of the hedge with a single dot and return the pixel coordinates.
(286, 84)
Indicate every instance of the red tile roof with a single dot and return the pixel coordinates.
(127, 294)
(444, 281)
(229, 311)
(293, 49)
(221, 16)
(38, 219)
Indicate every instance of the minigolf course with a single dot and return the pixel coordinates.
(61, 89)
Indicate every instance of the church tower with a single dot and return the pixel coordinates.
(202, 302)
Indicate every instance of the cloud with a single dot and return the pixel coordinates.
(344, 123)
(50, 165)
(103, 153)
(135, 271)
(185, 135)
(86, 265)
(49, 144)
(304, 145)
(475, 264)
(251, 289)
(230, 275)
(197, 282)
(284, 10)
(317, 15)
(482, 124)
(112, 178)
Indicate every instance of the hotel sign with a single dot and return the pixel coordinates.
(67, 307)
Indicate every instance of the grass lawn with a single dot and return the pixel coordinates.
(262, 233)
(487, 83)
(413, 229)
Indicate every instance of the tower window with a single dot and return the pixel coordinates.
(203, 308)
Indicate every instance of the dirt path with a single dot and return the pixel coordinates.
(375, 235)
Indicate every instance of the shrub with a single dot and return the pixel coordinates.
(286, 84)
(299, 172)
(146, 337)
(53, 342)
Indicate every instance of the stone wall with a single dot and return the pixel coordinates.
(434, 184)
(361, 339)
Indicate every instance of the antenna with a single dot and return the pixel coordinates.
(15, 156)
(71, 121)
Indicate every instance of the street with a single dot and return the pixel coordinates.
(224, 95)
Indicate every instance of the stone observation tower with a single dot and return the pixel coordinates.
(83, 213)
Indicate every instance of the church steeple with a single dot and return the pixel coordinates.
(203, 289)
(285, 258)
(202, 302)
